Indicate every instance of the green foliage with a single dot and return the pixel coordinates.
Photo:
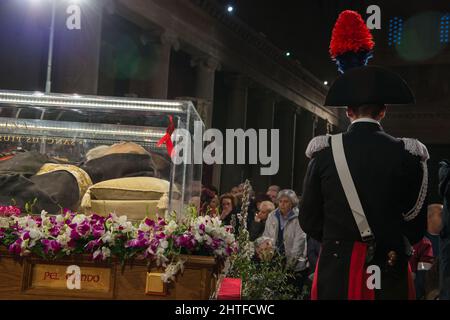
(265, 280)
(29, 206)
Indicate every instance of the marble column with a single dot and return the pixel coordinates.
(285, 121)
(261, 110)
(153, 79)
(304, 134)
(205, 74)
(77, 42)
(233, 174)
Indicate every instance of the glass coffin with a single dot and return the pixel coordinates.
(94, 154)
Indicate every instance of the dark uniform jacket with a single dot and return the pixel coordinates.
(387, 177)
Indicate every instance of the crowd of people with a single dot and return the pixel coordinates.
(273, 216)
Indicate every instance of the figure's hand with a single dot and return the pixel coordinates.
(261, 216)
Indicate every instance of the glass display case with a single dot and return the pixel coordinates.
(95, 154)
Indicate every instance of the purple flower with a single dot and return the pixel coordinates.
(202, 228)
(54, 231)
(71, 225)
(38, 221)
(15, 247)
(136, 243)
(98, 231)
(186, 241)
(74, 234)
(94, 244)
(161, 222)
(149, 222)
(153, 245)
(95, 218)
(160, 235)
(26, 235)
(215, 243)
(83, 228)
(72, 243)
(51, 245)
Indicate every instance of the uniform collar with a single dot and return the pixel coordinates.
(365, 123)
(366, 120)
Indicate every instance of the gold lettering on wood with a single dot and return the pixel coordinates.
(52, 276)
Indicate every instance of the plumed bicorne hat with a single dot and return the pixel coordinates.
(351, 48)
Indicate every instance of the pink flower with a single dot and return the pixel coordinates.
(94, 244)
(98, 231)
(149, 222)
(186, 241)
(136, 243)
(26, 235)
(83, 228)
(8, 211)
(15, 247)
(54, 231)
(74, 235)
(51, 245)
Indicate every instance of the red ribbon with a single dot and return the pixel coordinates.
(166, 139)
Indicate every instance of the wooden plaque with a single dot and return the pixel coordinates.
(53, 276)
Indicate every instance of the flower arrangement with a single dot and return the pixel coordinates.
(160, 242)
(265, 274)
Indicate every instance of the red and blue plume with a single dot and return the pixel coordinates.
(351, 41)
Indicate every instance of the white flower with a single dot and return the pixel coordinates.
(107, 237)
(35, 234)
(198, 237)
(207, 239)
(172, 270)
(63, 239)
(4, 222)
(171, 227)
(96, 253)
(164, 244)
(44, 214)
(106, 252)
(79, 218)
(59, 218)
(122, 220)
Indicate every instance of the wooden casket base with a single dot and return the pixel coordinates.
(34, 278)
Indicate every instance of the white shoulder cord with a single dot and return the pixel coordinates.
(411, 214)
(416, 148)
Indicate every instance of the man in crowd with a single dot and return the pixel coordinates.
(259, 223)
(434, 226)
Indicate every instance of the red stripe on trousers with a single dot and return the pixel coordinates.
(357, 288)
(357, 280)
(314, 295)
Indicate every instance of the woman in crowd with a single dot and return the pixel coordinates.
(283, 227)
(228, 208)
(206, 199)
